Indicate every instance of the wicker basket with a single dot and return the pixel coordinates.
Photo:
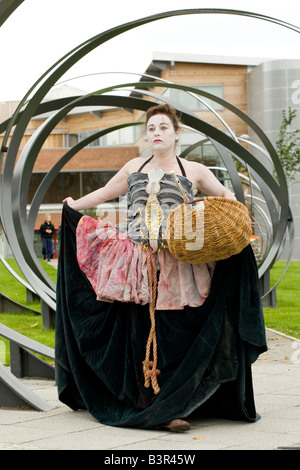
(208, 229)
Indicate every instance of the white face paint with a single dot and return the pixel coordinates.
(161, 133)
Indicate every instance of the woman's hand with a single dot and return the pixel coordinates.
(69, 201)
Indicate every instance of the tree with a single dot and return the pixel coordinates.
(288, 145)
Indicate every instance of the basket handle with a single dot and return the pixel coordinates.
(183, 194)
(195, 200)
(178, 184)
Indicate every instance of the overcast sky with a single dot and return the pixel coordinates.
(40, 32)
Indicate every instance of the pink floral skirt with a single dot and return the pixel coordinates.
(117, 269)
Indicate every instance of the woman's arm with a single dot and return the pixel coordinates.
(209, 184)
(116, 186)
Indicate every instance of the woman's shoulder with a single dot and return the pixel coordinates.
(190, 163)
(192, 167)
(134, 164)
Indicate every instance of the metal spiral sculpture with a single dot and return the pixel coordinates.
(19, 226)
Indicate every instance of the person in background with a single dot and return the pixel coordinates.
(47, 231)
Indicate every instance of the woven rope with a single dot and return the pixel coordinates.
(150, 367)
(209, 229)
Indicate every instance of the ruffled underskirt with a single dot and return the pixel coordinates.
(117, 269)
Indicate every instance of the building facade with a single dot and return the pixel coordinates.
(274, 86)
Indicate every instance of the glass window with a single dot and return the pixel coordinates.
(126, 135)
(72, 139)
(64, 184)
(75, 184)
(216, 90)
(113, 138)
(92, 180)
(35, 181)
(192, 101)
(205, 153)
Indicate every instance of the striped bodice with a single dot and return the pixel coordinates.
(168, 196)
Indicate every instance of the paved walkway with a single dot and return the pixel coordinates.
(276, 377)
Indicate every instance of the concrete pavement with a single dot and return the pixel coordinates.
(276, 378)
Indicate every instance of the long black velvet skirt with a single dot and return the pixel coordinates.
(204, 353)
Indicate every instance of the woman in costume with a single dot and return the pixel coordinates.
(193, 353)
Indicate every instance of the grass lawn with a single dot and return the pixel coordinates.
(13, 289)
(284, 318)
(28, 324)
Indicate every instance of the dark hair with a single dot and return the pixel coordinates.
(164, 109)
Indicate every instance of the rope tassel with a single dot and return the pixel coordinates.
(150, 366)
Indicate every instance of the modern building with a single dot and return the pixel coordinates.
(274, 86)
